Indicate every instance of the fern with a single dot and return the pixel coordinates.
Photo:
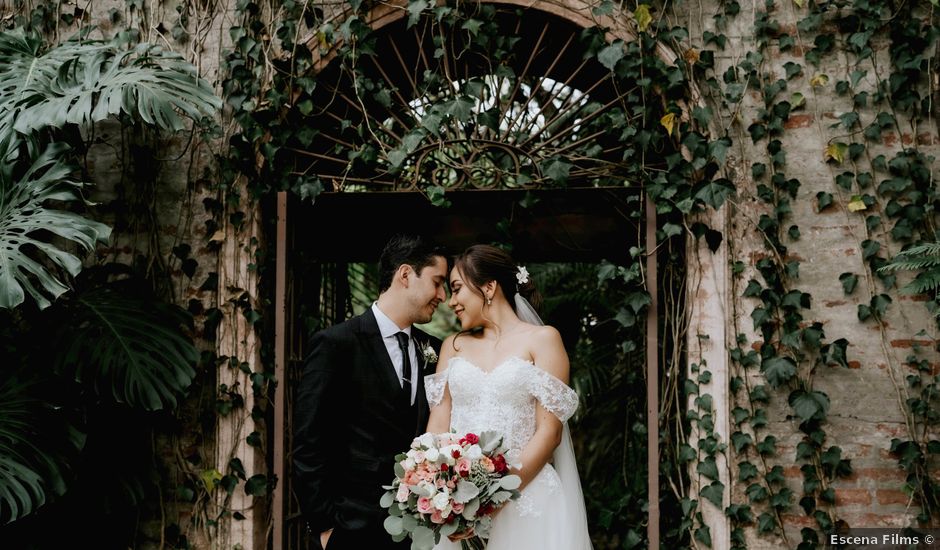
(923, 257)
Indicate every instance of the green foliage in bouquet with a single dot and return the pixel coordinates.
(476, 483)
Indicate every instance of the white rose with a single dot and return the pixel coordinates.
(441, 500)
(448, 453)
(427, 440)
(408, 464)
(432, 454)
(402, 495)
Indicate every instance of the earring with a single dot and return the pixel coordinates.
(489, 301)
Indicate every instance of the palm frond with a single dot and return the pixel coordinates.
(24, 214)
(131, 348)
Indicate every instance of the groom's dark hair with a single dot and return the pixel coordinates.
(413, 250)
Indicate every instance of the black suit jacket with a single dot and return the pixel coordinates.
(350, 420)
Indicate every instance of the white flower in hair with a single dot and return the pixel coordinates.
(522, 275)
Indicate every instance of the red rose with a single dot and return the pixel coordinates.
(499, 464)
(472, 439)
(444, 467)
(455, 453)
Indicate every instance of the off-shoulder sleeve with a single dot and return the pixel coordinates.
(553, 394)
(434, 385)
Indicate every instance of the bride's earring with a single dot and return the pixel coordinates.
(489, 301)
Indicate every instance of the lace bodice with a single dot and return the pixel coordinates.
(503, 399)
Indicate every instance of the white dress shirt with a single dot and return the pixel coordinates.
(388, 329)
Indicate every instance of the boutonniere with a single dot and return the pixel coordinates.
(428, 353)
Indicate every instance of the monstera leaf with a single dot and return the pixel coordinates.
(26, 223)
(130, 347)
(80, 82)
(34, 439)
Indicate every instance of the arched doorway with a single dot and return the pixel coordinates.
(525, 124)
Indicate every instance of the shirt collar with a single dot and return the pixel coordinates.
(387, 327)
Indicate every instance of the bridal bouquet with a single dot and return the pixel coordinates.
(447, 484)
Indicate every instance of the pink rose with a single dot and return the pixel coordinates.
(463, 466)
(436, 516)
(488, 464)
(424, 505)
(419, 457)
(440, 482)
(458, 507)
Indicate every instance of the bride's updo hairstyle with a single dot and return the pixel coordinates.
(482, 263)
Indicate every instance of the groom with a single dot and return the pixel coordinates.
(361, 400)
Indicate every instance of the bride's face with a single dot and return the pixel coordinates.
(466, 301)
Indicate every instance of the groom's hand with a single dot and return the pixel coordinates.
(325, 538)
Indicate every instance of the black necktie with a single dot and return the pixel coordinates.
(405, 364)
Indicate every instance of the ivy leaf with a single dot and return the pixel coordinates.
(856, 204)
(643, 19)
(741, 441)
(396, 157)
(415, 7)
(708, 468)
(558, 170)
(257, 485)
(715, 192)
(835, 353)
(766, 523)
(610, 55)
(778, 370)
(836, 151)
(823, 200)
(756, 492)
(472, 25)
(849, 282)
(714, 493)
(819, 80)
(797, 100)
(747, 471)
(668, 122)
(812, 405)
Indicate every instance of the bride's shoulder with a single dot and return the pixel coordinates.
(544, 334)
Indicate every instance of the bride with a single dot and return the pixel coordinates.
(507, 372)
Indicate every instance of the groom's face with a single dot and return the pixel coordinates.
(427, 290)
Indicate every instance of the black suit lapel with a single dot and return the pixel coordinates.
(371, 339)
(422, 341)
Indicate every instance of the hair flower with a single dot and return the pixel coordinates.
(522, 275)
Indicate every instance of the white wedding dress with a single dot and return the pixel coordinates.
(549, 514)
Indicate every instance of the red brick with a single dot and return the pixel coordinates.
(853, 496)
(855, 365)
(907, 343)
(800, 121)
(892, 496)
(877, 474)
(799, 520)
